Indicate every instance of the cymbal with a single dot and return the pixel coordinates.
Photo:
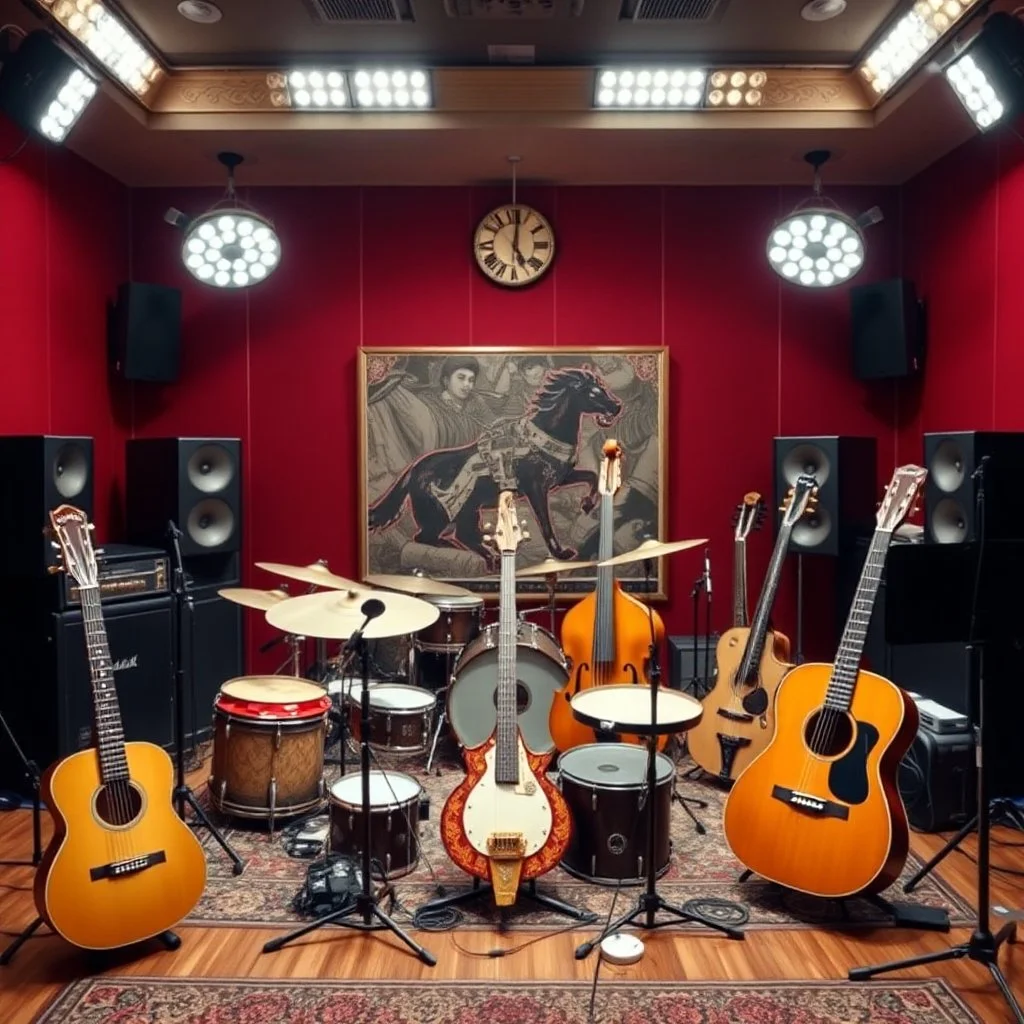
(336, 616)
(316, 574)
(551, 567)
(261, 600)
(653, 549)
(417, 585)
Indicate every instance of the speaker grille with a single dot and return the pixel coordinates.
(70, 470)
(211, 523)
(949, 522)
(812, 531)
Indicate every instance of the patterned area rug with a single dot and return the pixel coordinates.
(206, 1001)
(700, 867)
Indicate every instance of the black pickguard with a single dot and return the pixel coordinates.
(848, 777)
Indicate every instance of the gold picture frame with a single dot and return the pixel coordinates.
(438, 425)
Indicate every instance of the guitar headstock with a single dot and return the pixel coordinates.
(508, 531)
(900, 497)
(801, 499)
(71, 529)
(610, 477)
(749, 515)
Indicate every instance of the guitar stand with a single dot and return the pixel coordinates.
(527, 891)
(171, 941)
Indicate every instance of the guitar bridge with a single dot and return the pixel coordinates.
(505, 851)
(816, 806)
(123, 868)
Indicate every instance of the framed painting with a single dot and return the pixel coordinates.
(443, 430)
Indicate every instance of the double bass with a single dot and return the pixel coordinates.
(607, 635)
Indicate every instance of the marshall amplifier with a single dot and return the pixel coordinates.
(125, 573)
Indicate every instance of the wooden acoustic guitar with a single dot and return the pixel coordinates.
(819, 810)
(506, 822)
(122, 866)
(738, 718)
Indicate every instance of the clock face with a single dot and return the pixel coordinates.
(514, 245)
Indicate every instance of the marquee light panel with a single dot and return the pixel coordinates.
(362, 88)
(649, 88)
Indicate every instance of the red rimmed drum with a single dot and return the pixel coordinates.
(268, 747)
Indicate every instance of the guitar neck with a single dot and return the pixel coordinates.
(762, 613)
(106, 711)
(740, 612)
(506, 765)
(604, 627)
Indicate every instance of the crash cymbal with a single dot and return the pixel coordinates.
(417, 585)
(653, 549)
(551, 567)
(336, 616)
(261, 600)
(316, 574)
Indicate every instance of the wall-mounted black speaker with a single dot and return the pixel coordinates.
(845, 470)
(144, 332)
(38, 473)
(887, 330)
(194, 481)
(952, 488)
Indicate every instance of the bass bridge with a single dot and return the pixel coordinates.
(505, 851)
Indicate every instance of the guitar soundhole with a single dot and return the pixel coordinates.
(828, 732)
(522, 697)
(118, 803)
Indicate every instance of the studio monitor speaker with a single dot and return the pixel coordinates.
(194, 482)
(952, 488)
(38, 473)
(886, 330)
(845, 470)
(144, 328)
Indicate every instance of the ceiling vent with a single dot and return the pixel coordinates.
(512, 10)
(672, 10)
(338, 12)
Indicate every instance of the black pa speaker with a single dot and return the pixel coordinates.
(937, 780)
(886, 330)
(845, 470)
(38, 473)
(145, 332)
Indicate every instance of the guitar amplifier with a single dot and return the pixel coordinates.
(937, 780)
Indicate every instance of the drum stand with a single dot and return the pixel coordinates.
(366, 904)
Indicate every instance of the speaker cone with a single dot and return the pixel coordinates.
(813, 530)
(70, 470)
(947, 468)
(210, 468)
(948, 522)
(211, 523)
(806, 458)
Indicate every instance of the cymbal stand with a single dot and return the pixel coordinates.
(33, 777)
(365, 905)
(551, 579)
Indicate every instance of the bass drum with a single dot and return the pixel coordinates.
(541, 672)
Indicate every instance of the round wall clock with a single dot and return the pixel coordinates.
(514, 245)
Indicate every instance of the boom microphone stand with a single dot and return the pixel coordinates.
(182, 791)
(983, 946)
(33, 776)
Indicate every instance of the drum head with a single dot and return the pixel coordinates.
(398, 697)
(387, 789)
(612, 765)
(455, 602)
(271, 690)
(628, 709)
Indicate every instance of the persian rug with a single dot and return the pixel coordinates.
(701, 867)
(214, 1001)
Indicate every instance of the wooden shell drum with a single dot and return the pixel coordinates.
(401, 717)
(268, 747)
(457, 624)
(394, 820)
(603, 785)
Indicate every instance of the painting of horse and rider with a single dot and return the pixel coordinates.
(444, 431)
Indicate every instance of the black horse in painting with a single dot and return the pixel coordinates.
(553, 421)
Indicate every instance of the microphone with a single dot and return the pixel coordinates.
(980, 469)
(707, 569)
(372, 608)
(173, 531)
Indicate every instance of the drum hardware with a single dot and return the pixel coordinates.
(183, 793)
(550, 569)
(333, 620)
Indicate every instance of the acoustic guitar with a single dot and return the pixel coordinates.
(819, 810)
(122, 866)
(506, 822)
(606, 635)
(738, 719)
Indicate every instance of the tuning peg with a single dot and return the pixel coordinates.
(54, 569)
(99, 551)
(488, 527)
(522, 522)
(90, 527)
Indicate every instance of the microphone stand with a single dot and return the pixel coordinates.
(983, 946)
(366, 904)
(695, 687)
(182, 791)
(707, 622)
(33, 777)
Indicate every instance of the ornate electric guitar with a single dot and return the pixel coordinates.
(122, 866)
(738, 718)
(506, 822)
(607, 635)
(819, 810)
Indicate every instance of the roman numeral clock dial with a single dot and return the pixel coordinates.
(514, 245)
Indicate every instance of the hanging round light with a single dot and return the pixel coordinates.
(817, 245)
(231, 245)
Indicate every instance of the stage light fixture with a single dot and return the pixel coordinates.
(43, 88)
(818, 245)
(987, 75)
(736, 90)
(231, 245)
(316, 89)
(649, 88)
(391, 88)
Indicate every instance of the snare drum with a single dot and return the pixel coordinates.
(458, 623)
(268, 747)
(394, 820)
(401, 717)
(603, 785)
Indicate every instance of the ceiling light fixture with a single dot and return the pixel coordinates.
(736, 89)
(391, 88)
(318, 90)
(231, 245)
(817, 245)
(649, 88)
(822, 10)
(987, 75)
(200, 11)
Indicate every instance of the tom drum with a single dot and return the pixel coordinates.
(401, 717)
(458, 623)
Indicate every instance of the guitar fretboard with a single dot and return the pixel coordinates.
(762, 613)
(506, 763)
(604, 632)
(740, 614)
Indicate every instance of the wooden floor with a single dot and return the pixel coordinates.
(44, 965)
